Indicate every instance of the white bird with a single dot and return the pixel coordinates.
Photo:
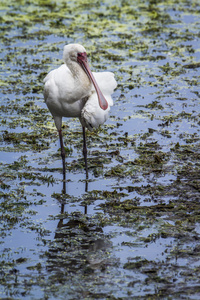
(72, 90)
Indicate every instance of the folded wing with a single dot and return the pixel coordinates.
(92, 116)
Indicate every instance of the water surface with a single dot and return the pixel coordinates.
(132, 230)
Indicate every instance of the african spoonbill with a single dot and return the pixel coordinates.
(72, 90)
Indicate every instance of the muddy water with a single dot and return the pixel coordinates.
(132, 231)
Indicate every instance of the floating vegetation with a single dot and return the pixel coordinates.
(133, 229)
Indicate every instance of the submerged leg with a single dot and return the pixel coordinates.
(85, 152)
(63, 159)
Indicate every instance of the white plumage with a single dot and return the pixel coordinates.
(92, 115)
(72, 90)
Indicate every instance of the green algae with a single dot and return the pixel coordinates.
(143, 164)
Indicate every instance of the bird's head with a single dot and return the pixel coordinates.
(77, 53)
(71, 52)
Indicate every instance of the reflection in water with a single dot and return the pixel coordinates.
(79, 244)
(64, 190)
(64, 183)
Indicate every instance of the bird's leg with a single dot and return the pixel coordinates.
(63, 160)
(85, 152)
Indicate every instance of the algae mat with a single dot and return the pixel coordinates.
(133, 230)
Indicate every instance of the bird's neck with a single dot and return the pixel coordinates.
(78, 74)
(82, 83)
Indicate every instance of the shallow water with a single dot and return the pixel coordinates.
(131, 231)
